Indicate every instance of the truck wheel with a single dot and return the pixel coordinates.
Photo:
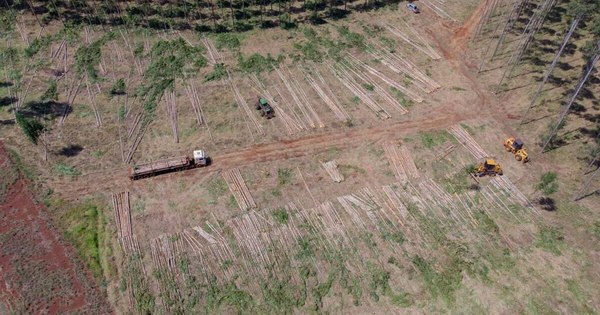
(262, 114)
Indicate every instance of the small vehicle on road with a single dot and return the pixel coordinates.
(413, 7)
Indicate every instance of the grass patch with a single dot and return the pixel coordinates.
(548, 184)
(66, 170)
(348, 170)
(281, 216)
(550, 239)
(227, 40)
(401, 97)
(457, 88)
(257, 63)
(284, 176)
(468, 129)
(595, 229)
(84, 227)
(118, 88)
(433, 138)
(217, 187)
(18, 162)
(232, 203)
(439, 284)
(219, 71)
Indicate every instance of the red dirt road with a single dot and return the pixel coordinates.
(38, 274)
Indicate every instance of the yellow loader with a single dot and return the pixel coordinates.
(516, 147)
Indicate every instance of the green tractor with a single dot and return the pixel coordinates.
(265, 109)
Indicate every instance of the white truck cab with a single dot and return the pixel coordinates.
(199, 157)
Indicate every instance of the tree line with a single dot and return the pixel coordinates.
(200, 15)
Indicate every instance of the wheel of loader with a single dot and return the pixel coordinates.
(507, 149)
(518, 157)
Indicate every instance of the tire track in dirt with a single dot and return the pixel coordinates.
(262, 153)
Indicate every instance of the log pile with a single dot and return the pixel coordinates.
(331, 168)
(238, 188)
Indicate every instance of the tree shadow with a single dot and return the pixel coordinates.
(71, 150)
(7, 100)
(5, 84)
(7, 122)
(48, 110)
(547, 204)
(595, 192)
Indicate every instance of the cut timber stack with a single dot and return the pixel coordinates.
(467, 141)
(238, 188)
(123, 221)
(401, 161)
(332, 169)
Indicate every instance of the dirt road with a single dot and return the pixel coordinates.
(117, 180)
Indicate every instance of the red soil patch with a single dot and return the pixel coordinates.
(38, 273)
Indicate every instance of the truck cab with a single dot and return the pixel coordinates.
(200, 158)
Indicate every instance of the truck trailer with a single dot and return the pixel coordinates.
(169, 165)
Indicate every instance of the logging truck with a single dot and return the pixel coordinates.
(169, 165)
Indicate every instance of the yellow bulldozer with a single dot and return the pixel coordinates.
(516, 147)
(488, 167)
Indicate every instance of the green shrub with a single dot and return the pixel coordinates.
(66, 170)
(218, 72)
(284, 176)
(83, 228)
(281, 216)
(227, 40)
(118, 88)
(256, 63)
(30, 126)
(51, 93)
(547, 184)
(550, 239)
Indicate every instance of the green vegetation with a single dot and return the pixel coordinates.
(368, 87)
(393, 236)
(228, 40)
(281, 216)
(118, 88)
(433, 138)
(550, 239)
(38, 44)
(257, 63)
(66, 170)
(401, 97)
(30, 126)
(440, 284)
(84, 227)
(18, 162)
(144, 300)
(219, 71)
(229, 295)
(169, 60)
(284, 176)
(548, 184)
(51, 93)
(87, 57)
(595, 229)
